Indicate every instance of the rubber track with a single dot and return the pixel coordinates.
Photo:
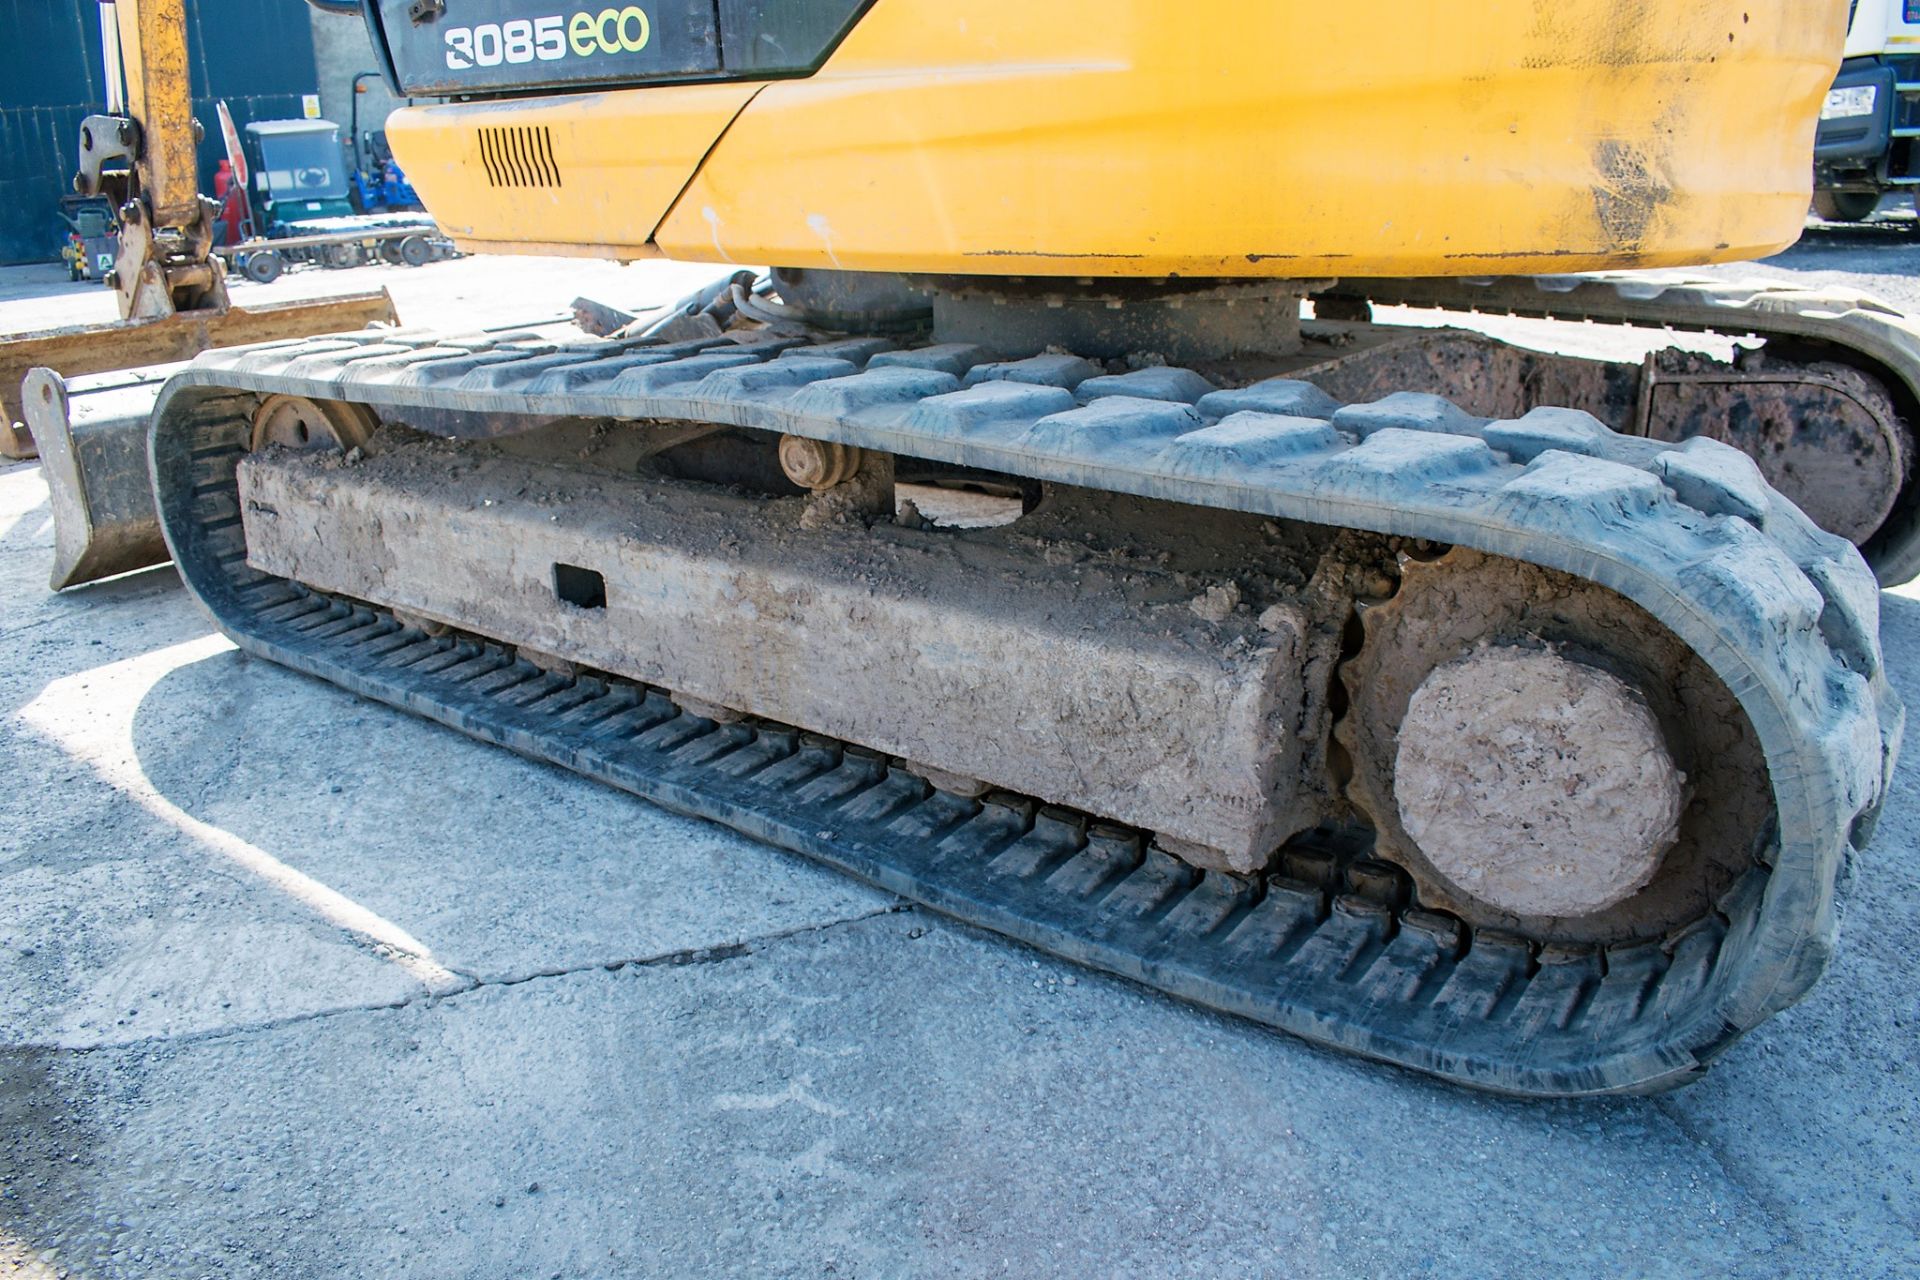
(1326, 947)
(1880, 337)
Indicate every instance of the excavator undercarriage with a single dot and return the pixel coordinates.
(1194, 682)
(1082, 532)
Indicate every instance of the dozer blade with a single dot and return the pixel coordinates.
(130, 344)
(95, 462)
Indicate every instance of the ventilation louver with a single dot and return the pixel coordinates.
(519, 156)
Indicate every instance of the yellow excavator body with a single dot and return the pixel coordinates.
(1076, 138)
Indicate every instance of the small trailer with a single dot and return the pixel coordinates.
(409, 242)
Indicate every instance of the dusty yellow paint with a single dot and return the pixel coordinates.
(621, 158)
(1205, 137)
(153, 47)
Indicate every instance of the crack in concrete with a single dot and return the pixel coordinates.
(718, 953)
(1773, 1211)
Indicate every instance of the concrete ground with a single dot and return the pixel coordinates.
(293, 985)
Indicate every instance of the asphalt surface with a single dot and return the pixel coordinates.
(292, 985)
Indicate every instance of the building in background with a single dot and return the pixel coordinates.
(343, 52)
(265, 58)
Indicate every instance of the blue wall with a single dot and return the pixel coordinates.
(257, 55)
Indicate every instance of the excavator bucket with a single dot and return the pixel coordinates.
(130, 344)
(95, 461)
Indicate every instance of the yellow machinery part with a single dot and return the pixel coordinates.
(586, 175)
(1108, 138)
(153, 41)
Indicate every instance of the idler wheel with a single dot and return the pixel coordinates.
(295, 422)
(1542, 757)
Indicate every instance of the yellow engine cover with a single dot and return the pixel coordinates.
(1188, 137)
